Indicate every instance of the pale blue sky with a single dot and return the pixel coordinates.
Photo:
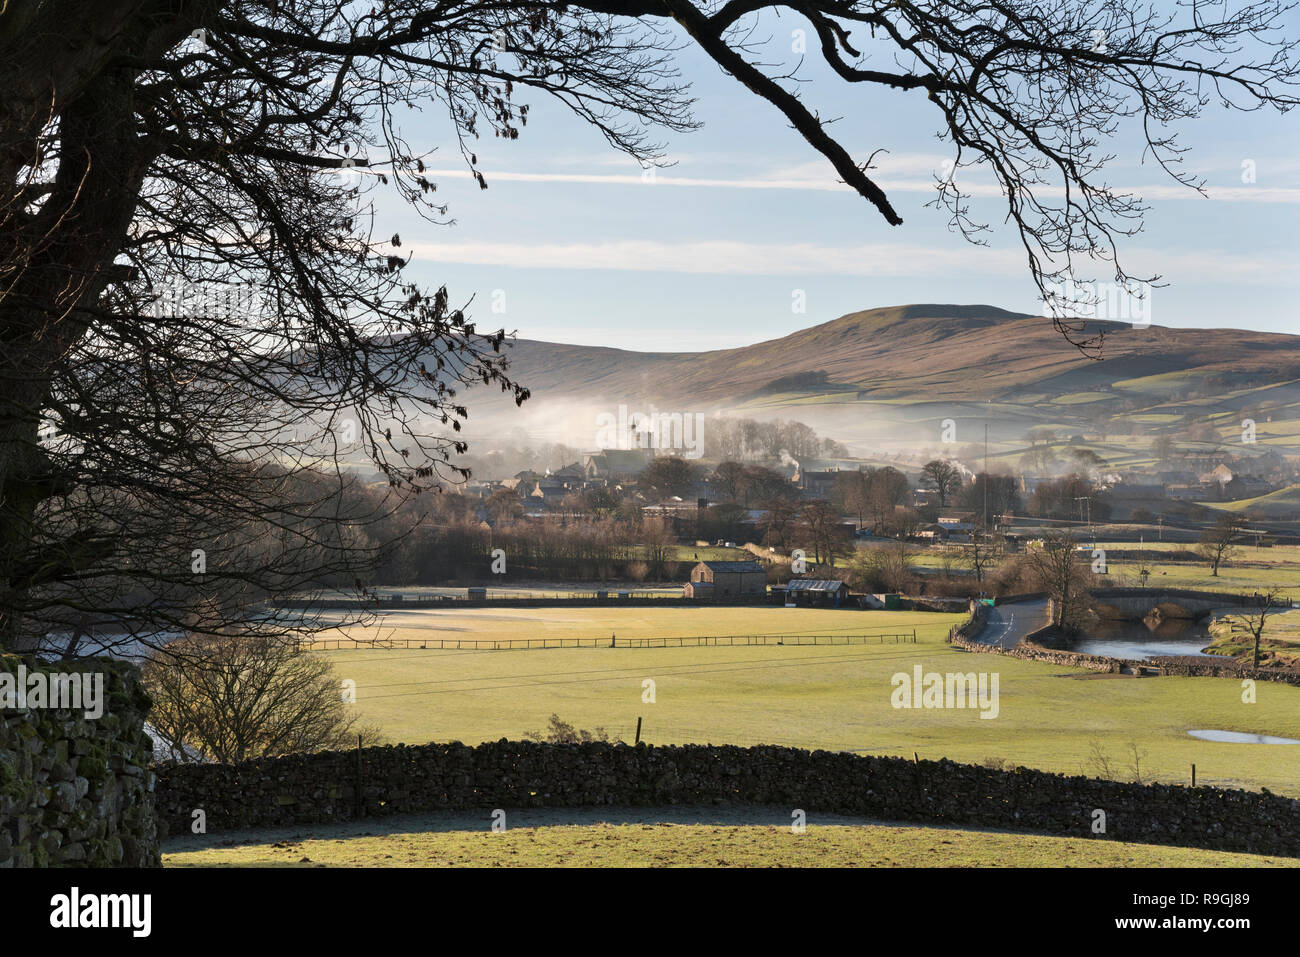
(578, 248)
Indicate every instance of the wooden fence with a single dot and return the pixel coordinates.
(694, 641)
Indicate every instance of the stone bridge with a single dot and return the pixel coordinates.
(1134, 604)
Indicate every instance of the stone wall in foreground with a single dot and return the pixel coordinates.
(75, 790)
(375, 782)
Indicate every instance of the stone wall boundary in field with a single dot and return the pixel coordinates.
(381, 781)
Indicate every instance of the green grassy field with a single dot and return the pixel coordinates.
(1231, 578)
(634, 621)
(1280, 644)
(703, 553)
(748, 837)
(834, 697)
(1250, 568)
(1280, 504)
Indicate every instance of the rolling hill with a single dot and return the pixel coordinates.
(878, 375)
(1283, 504)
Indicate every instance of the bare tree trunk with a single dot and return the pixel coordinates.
(58, 273)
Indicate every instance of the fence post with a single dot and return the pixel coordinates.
(638, 730)
(358, 801)
(1193, 775)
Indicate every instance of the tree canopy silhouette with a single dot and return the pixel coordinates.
(199, 311)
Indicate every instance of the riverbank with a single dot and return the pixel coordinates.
(1279, 645)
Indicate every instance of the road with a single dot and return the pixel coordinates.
(1007, 624)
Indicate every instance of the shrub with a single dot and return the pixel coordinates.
(559, 731)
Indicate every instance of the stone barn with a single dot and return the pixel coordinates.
(701, 591)
(731, 579)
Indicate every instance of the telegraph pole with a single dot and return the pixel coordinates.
(1088, 499)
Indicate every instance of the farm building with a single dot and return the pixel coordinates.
(730, 579)
(700, 590)
(813, 591)
(817, 484)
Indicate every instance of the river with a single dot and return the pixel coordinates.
(1140, 640)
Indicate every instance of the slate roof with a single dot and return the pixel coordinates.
(733, 567)
(814, 584)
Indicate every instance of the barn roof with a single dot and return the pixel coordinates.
(733, 567)
(814, 584)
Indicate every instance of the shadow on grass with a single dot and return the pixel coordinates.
(516, 818)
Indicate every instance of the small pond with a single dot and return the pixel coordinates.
(1240, 737)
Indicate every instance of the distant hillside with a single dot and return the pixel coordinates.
(974, 352)
(905, 365)
(1282, 504)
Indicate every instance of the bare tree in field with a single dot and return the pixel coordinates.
(1218, 543)
(659, 542)
(201, 317)
(942, 476)
(852, 491)
(820, 523)
(885, 566)
(727, 479)
(779, 521)
(984, 552)
(1253, 621)
(887, 488)
(1055, 567)
(234, 698)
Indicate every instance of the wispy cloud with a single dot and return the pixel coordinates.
(725, 257)
(651, 178)
(879, 260)
(910, 173)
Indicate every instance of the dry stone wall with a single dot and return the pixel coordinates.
(375, 782)
(75, 790)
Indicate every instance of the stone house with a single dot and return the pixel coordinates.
(732, 579)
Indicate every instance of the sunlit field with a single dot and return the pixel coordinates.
(827, 696)
(486, 625)
(1250, 569)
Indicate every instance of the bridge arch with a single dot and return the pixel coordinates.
(1130, 604)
